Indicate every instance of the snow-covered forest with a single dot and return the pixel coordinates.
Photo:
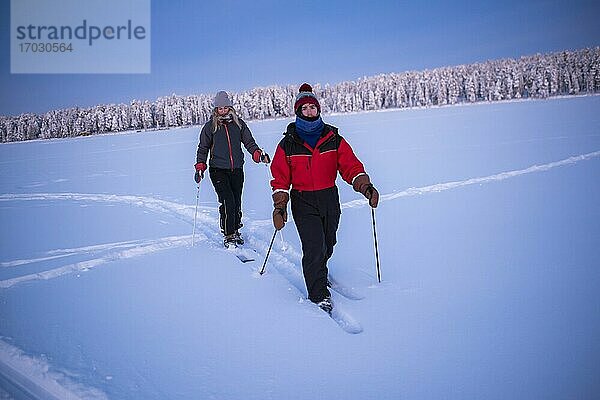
(538, 76)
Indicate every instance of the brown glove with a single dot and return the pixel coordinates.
(363, 185)
(280, 200)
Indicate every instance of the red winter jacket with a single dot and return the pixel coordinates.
(303, 168)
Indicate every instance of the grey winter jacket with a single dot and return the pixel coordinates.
(225, 145)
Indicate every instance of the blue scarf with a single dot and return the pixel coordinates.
(309, 131)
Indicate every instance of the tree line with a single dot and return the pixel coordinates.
(539, 76)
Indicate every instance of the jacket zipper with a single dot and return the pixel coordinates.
(229, 143)
(329, 139)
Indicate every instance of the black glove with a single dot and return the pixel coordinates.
(264, 157)
(198, 176)
(200, 168)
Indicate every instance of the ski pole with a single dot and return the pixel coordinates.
(283, 247)
(262, 270)
(195, 215)
(376, 247)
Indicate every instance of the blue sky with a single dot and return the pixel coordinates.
(202, 47)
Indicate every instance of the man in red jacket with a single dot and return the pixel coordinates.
(308, 159)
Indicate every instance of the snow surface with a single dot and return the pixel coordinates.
(489, 239)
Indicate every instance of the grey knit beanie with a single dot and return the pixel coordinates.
(222, 100)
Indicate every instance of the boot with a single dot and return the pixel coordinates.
(238, 238)
(326, 305)
(229, 241)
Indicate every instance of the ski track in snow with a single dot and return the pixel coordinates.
(34, 376)
(61, 253)
(147, 247)
(286, 260)
(440, 187)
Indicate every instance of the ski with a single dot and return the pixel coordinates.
(242, 254)
(345, 321)
(347, 292)
(342, 318)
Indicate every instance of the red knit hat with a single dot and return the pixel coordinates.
(306, 96)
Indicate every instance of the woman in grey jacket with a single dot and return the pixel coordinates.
(222, 137)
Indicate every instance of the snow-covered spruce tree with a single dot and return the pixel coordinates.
(160, 112)
(11, 130)
(136, 115)
(79, 124)
(3, 138)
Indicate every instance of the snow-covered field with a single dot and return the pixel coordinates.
(489, 235)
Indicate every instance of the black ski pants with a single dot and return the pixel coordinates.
(228, 185)
(317, 217)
